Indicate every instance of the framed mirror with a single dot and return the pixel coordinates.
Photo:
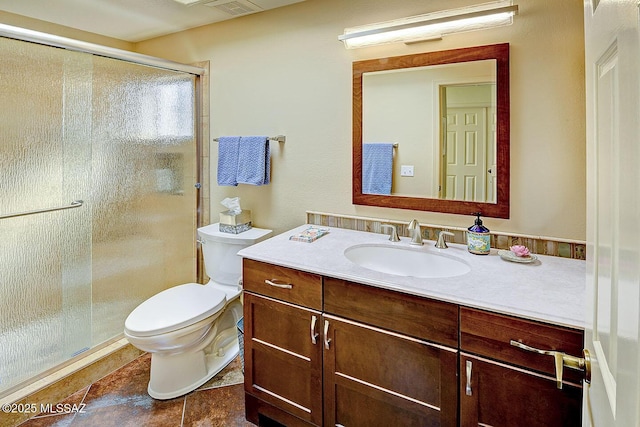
(431, 131)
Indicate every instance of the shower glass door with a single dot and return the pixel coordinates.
(113, 144)
(143, 194)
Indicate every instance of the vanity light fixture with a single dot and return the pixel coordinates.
(431, 26)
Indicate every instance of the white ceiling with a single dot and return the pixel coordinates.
(136, 20)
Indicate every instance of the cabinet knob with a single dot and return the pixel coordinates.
(561, 360)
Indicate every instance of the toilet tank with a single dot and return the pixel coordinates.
(220, 251)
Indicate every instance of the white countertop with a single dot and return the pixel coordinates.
(552, 289)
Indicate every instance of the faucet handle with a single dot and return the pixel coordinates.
(394, 232)
(441, 243)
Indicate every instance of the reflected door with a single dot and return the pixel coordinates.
(465, 157)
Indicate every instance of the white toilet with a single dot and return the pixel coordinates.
(190, 329)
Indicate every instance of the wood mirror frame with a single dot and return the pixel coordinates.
(498, 52)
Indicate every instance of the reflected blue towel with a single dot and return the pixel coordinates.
(254, 160)
(377, 166)
(228, 160)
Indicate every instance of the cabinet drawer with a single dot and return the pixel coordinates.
(423, 318)
(489, 334)
(282, 283)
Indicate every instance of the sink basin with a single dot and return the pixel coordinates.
(407, 262)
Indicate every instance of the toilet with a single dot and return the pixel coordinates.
(190, 329)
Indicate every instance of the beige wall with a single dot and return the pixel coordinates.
(284, 72)
(404, 107)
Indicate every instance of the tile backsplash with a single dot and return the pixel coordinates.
(537, 244)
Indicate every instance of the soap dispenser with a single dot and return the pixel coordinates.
(478, 237)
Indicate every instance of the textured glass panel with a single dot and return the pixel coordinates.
(120, 137)
(144, 172)
(75, 224)
(45, 258)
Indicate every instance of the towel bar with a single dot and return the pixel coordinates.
(395, 144)
(279, 138)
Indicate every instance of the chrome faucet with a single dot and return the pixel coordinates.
(441, 243)
(394, 233)
(415, 232)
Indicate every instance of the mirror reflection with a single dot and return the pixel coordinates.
(442, 119)
(468, 142)
(431, 131)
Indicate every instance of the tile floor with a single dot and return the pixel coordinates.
(120, 399)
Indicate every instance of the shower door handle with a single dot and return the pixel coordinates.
(74, 204)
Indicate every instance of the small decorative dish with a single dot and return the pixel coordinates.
(510, 256)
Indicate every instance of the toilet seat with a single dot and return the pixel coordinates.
(174, 308)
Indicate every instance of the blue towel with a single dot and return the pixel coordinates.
(228, 160)
(254, 160)
(377, 166)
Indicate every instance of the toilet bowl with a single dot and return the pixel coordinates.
(190, 329)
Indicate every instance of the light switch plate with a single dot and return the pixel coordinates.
(406, 170)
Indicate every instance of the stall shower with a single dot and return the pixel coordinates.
(98, 207)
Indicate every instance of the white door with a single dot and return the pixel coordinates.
(466, 159)
(492, 144)
(613, 212)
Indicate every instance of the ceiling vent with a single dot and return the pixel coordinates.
(234, 7)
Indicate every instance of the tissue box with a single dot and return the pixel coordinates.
(235, 223)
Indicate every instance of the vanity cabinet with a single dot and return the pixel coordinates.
(369, 357)
(283, 351)
(504, 385)
(328, 352)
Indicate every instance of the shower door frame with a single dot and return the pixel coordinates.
(201, 74)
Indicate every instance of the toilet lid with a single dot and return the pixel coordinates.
(174, 308)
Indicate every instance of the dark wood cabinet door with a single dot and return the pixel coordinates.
(500, 395)
(378, 378)
(283, 366)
